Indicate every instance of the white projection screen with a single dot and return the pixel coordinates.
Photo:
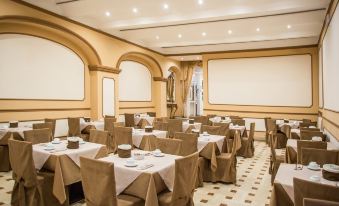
(39, 69)
(264, 81)
(331, 64)
(135, 82)
(108, 99)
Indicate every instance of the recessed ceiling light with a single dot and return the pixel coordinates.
(258, 29)
(289, 26)
(166, 6)
(179, 35)
(201, 2)
(135, 10)
(108, 13)
(229, 31)
(203, 34)
(157, 37)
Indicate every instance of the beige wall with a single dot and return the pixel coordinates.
(95, 48)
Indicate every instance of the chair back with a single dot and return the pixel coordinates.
(152, 114)
(174, 125)
(240, 122)
(224, 128)
(186, 170)
(317, 202)
(306, 121)
(189, 142)
(320, 156)
(168, 146)
(234, 117)
(213, 130)
(123, 135)
(163, 126)
(74, 126)
(201, 119)
(46, 125)
(307, 135)
(252, 130)
(307, 124)
(236, 145)
(99, 137)
(37, 136)
(308, 144)
(265, 119)
(109, 124)
(272, 141)
(129, 120)
(161, 119)
(286, 130)
(109, 116)
(98, 182)
(22, 163)
(309, 129)
(308, 189)
(271, 125)
(53, 121)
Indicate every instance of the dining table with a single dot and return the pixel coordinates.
(18, 132)
(143, 120)
(145, 140)
(146, 178)
(99, 125)
(187, 127)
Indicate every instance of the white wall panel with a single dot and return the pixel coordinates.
(135, 82)
(108, 99)
(266, 81)
(330, 64)
(36, 68)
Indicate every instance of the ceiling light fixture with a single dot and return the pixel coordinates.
(179, 35)
(166, 6)
(203, 34)
(135, 10)
(258, 29)
(201, 2)
(229, 31)
(289, 26)
(108, 13)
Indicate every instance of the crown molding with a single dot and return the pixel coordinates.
(102, 68)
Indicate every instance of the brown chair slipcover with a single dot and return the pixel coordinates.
(240, 122)
(271, 127)
(48, 125)
(123, 135)
(189, 142)
(224, 128)
(307, 124)
(213, 130)
(30, 188)
(308, 144)
(266, 129)
(129, 120)
(161, 119)
(247, 144)
(109, 116)
(37, 136)
(286, 130)
(163, 126)
(309, 129)
(53, 121)
(320, 156)
(308, 189)
(184, 183)
(99, 137)
(174, 125)
(201, 119)
(4, 159)
(307, 135)
(318, 202)
(276, 160)
(279, 196)
(306, 121)
(168, 146)
(152, 114)
(108, 123)
(98, 182)
(74, 127)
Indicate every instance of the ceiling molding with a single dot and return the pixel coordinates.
(159, 79)
(102, 68)
(223, 20)
(66, 2)
(327, 22)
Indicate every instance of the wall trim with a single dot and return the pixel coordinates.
(331, 122)
(260, 112)
(159, 79)
(146, 107)
(102, 68)
(42, 110)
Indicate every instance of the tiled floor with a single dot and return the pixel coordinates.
(253, 184)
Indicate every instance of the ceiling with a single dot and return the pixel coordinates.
(184, 29)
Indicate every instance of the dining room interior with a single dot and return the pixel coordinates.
(169, 103)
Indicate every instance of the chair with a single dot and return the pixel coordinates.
(317, 202)
(266, 129)
(53, 121)
(109, 116)
(201, 119)
(74, 127)
(152, 114)
(99, 137)
(189, 142)
(163, 126)
(276, 160)
(213, 130)
(109, 125)
(37, 136)
(308, 144)
(123, 135)
(320, 156)
(31, 188)
(240, 122)
(98, 182)
(184, 183)
(304, 124)
(5, 166)
(129, 120)
(168, 146)
(174, 125)
(224, 128)
(161, 119)
(307, 135)
(309, 129)
(247, 144)
(48, 125)
(306, 121)
(308, 189)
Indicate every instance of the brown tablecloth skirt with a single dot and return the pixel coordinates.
(8, 135)
(148, 143)
(66, 172)
(151, 185)
(230, 144)
(290, 155)
(5, 165)
(279, 197)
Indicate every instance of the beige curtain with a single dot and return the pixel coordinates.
(170, 87)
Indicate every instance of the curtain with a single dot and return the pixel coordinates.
(187, 69)
(170, 87)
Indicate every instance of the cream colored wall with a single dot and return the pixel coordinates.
(93, 47)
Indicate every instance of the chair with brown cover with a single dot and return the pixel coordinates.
(303, 124)
(201, 119)
(309, 129)
(224, 128)
(308, 189)
(152, 114)
(184, 183)
(189, 142)
(98, 182)
(129, 120)
(213, 130)
(247, 144)
(320, 156)
(31, 188)
(109, 116)
(53, 121)
(163, 126)
(308, 144)
(174, 125)
(168, 146)
(306, 121)
(161, 119)
(37, 136)
(307, 135)
(271, 126)
(123, 135)
(74, 127)
(240, 122)
(48, 125)
(5, 166)
(99, 137)
(266, 129)
(318, 202)
(276, 160)
(109, 125)
(234, 117)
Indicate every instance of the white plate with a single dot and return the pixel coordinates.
(315, 178)
(314, 168)
(330, 168)
(49, 149)
(130, 165)
(82, 142)
(56, 142)
(159, 155)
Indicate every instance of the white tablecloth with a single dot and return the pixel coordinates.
(204, 140)
(286, 173)
(186, 125)
(241, 128)
(40, 155)
(149, 120)
(293, 125)
(20, 130)
(293, 144)
(99, 125)
(138, 134)
(124, 176)
(218, 119)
